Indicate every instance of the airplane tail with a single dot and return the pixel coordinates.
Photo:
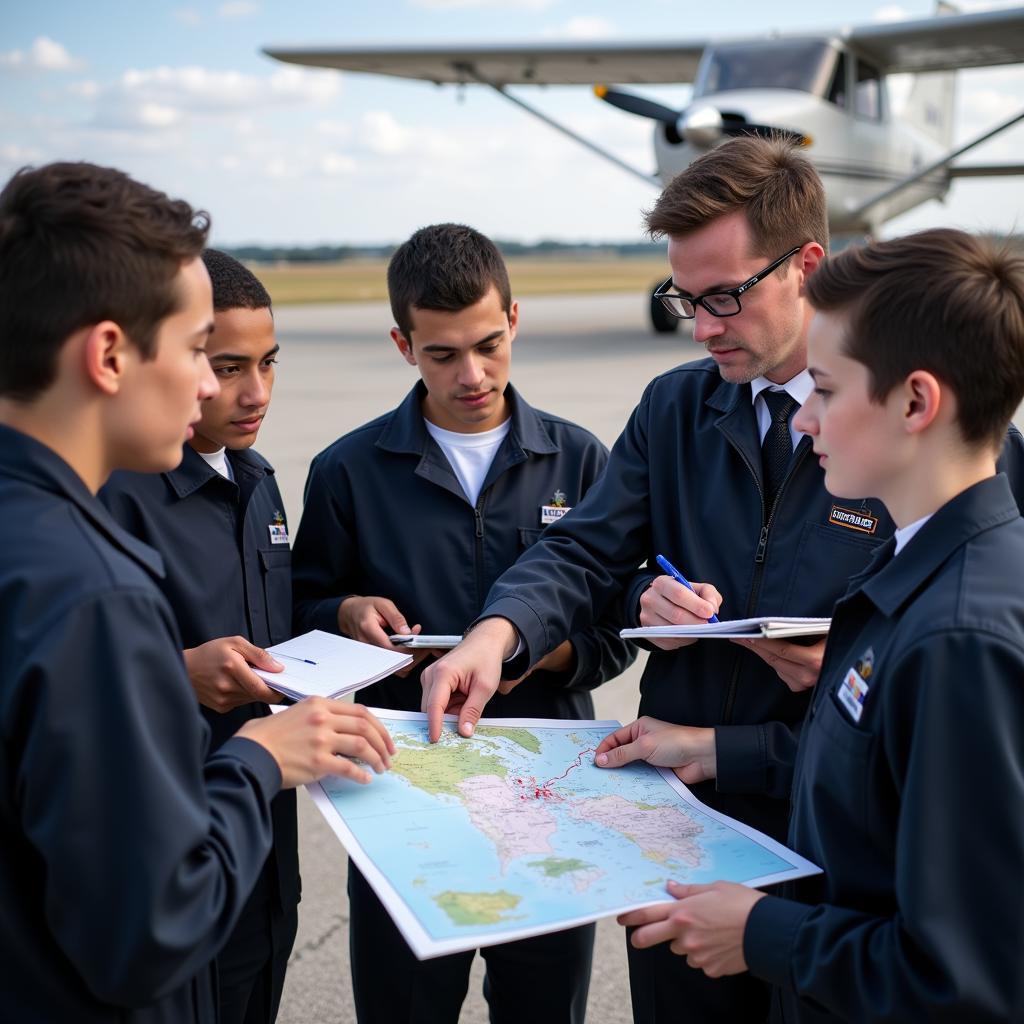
(930, 104)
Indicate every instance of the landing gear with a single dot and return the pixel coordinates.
(662, 320)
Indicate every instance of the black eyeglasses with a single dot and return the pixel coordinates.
(723, 303)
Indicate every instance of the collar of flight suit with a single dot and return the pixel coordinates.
(194, 471)
(33, 462)
(406, 434)
(890, 584)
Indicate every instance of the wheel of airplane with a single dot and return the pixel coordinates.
(662, 320)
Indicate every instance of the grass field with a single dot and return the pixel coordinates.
(364, 280)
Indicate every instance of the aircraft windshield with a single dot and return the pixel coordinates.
(804, 65)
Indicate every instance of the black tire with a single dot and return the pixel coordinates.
(662, 320)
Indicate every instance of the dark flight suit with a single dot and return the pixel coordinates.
(909, 789)
(225, 576)
(386, 516)
(127, 852)
(684, 480)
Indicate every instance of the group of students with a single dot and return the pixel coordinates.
(844, 450)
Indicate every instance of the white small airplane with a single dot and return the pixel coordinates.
(826, 91)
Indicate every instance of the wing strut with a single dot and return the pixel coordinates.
(471, 72)
(938, 165)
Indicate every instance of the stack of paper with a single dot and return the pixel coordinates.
(319, 664)
(766, 626)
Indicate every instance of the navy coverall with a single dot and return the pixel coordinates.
(386, 516)
(684, 480)
(912, 796)
(226, 576)
(126, 858)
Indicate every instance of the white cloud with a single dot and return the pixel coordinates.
(337, 163)
(85, 89)
(584, 27)
(187, 16)
(238, 9)
(155, 115)
(987, 107)
(382, 134)
(279, 167)
(159, 97)
(893, 12)
(333, 129)
(12, 153)
(44, 54)
(505, 5)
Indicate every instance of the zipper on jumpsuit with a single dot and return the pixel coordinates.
(478, 520)
(767, 517)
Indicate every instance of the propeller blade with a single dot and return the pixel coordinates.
(634, 104)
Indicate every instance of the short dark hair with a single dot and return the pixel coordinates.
(446, 267)
(235, 286)
(80, 244)
(942, 301)
(767, 178)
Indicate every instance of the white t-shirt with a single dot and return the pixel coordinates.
(470, 455)
(218, 460)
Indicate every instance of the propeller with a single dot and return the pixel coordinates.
(702, 126)
(633, 104)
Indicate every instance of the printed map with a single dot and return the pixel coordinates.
(516, 832)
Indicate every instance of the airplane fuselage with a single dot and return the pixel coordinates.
(855, 158)
(837, 103)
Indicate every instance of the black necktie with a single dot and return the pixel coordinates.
(777, 446)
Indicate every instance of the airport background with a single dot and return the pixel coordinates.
(177, 93)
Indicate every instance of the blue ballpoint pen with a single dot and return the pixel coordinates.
(291, 657)
(678, 577)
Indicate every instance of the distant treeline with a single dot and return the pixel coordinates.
(339, 253)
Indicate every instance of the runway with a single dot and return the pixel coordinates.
(587, 358)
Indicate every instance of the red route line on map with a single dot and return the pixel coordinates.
(541, 790)
(578, 763)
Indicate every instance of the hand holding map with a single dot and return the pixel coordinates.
(689, 751)
(706, 925)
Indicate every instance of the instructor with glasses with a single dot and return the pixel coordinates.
(710, 473)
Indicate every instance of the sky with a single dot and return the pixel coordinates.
(178, 93)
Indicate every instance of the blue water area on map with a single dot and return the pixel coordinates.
(506, 857)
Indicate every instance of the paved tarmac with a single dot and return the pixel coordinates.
(587, 358)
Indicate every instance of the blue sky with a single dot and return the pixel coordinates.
(178, 94)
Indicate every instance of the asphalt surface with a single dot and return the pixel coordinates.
(587, 358)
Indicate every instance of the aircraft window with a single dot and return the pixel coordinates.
(837, 90)
(779, 64)
(867, 97)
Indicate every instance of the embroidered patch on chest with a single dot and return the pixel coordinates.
(278, 530)
(851, 693)
(860, 519)
(553, 512)
(854, 688)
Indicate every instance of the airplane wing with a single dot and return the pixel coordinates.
(984, 39)
(523, 64)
